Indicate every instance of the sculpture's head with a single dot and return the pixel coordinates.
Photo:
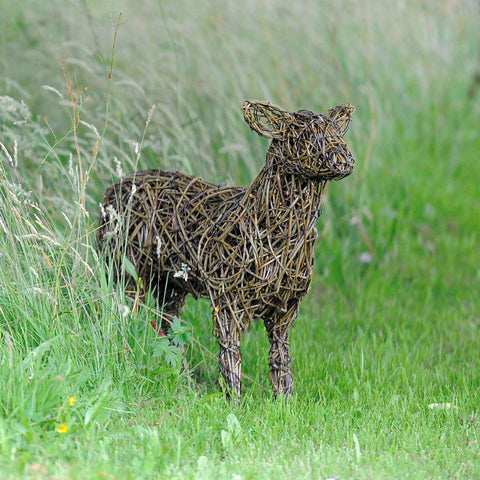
(306, 143)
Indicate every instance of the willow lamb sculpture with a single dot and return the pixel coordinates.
(250, 250)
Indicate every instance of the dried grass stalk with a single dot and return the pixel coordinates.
(250, 250)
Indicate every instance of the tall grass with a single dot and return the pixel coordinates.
(391, 325)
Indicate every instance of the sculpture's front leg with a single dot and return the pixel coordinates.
(278, 330)
(279, 361)
(230, 359)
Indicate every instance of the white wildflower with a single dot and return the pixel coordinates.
(124, 310)
(103, 213)
(115, 220)
(112, 213)
(137, 147)
(159, 246)
(183, 272)
(133, 192)
(118, 167)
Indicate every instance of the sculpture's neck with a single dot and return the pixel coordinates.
(276, 190)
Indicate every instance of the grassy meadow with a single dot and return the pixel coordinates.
(385, 349)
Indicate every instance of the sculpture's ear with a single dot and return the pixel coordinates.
(342, 116)
(266, 119)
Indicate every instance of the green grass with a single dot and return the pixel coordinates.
(391, 326)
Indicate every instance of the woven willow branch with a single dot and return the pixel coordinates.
(250, 250)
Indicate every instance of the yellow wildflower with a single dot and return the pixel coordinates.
(71, 401)
(62, 428)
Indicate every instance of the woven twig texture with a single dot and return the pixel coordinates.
(250, 250)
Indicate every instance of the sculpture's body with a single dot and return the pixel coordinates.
(250, 250)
